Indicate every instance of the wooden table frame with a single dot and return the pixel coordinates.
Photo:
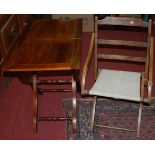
(48, 46)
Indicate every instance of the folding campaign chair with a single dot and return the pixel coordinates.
(120, 84)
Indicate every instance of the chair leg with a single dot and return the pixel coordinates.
(93, 112)
(139, 119)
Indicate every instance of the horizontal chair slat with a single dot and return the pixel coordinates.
(123, 21)
(120, 57)
(122, 42)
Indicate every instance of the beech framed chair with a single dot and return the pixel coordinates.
(120, 84)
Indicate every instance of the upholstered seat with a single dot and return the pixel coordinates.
(117, 84)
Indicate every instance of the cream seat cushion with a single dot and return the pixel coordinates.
(117, 84)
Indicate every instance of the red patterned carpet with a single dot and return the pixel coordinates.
(119, 114)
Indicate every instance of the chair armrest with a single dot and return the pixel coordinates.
(148, 81)
(86, 66)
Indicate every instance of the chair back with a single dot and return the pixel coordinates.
(124, 40)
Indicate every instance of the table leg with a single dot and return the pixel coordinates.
(74, 101)
(35, 103)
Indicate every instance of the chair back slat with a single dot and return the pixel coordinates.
(122, 43)
(123, 21)
(120, 57)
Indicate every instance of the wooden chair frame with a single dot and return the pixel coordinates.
(146, 78)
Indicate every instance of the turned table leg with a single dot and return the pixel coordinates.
(74, 101)
(35, 103)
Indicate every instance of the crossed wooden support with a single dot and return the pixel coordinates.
(36, 90)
